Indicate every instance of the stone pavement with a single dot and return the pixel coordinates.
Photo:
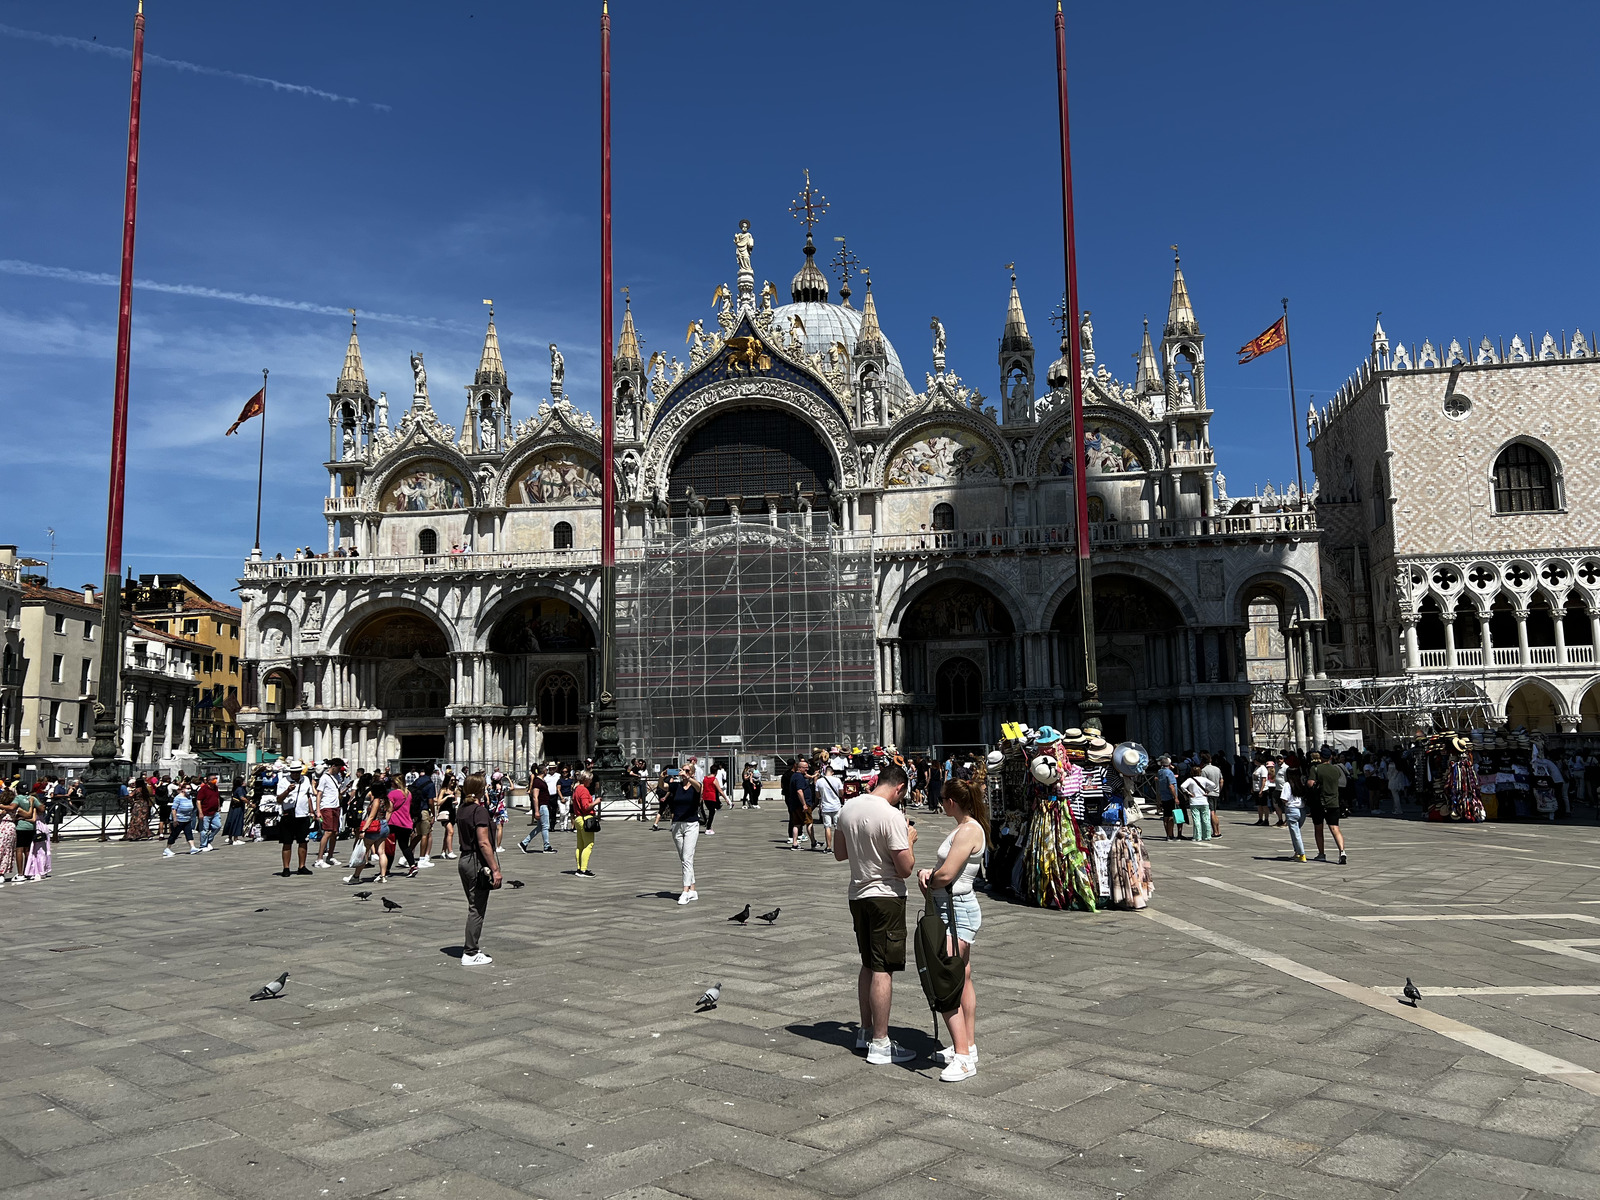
(1227, 1044)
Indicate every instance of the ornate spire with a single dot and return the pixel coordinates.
(353, 379)
(628, 357)
(1148, 380)
(491, 368)
(1015, 339)
(870, 340)
(1180, 313)
(1380, 339)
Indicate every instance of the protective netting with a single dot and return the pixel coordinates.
(749, 631)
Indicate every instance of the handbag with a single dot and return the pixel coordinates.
(591, 823)
(1177, 816)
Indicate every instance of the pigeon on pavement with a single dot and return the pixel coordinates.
(1412, 995)
(742, 916)
(272, 990)
(390, 904)
(515, 883)
(363, 895)
(770, 917)
(709, 1000)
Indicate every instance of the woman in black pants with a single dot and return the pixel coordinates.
(480, 870)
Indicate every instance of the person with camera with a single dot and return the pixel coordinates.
(681, 800)
(480, 869)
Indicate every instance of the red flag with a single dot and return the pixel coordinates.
(1277, 336)
(253, 407)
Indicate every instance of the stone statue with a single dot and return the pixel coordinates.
(658, 504)
(1022, 395)
(383, 410)
(419, 374)
(743, 243)
(1086, 339)
(694, 503)
(869, 402)
(629, 467)
(677, 369)
(938, 345)
(625, 423)
(486, 433)
(558, 371)
(544, 409)
(695, 337)
(1222, 488)
(1185, 393)
(802, 502)
(349, 443)
(733, 509)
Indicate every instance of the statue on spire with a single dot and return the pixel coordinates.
(743, 243)
(938, 344)
(558, 372)
(419, 375)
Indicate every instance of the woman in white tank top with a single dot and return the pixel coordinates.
(960, 857)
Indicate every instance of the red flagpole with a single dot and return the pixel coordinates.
(608, 497)
(119, 413)
(1089, 707)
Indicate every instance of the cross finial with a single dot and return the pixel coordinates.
(845, 263)
(1058, 316)
(352, 313)
(809, 205)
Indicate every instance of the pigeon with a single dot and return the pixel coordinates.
(742, 915)
(1411, 993)
(363, 895)
(515, 883)
(390, 904)
(770, 917)
(272, 990)
(709, 1000)
(261, 910)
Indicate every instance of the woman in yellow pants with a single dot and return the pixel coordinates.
(583, 808)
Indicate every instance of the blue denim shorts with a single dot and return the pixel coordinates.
(969, 917)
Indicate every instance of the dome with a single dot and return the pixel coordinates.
(829, 323)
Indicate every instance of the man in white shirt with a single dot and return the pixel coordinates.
(1260, 784)
(298, 798)
(830, 799)
(329, 812)
(878, 841)
(1213, 773)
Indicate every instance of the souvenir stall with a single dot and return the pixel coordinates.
(1065, 838)
(1514, 778)
(1447, 779)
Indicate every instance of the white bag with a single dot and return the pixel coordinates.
(358, 856)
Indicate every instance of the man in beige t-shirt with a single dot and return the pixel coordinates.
(875, 837)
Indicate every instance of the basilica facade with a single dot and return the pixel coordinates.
(816, 543)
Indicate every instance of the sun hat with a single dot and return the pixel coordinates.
(1046, 737)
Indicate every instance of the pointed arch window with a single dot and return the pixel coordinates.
(1524, 480)
(558, 699)
(1380, 499)
(561, 536)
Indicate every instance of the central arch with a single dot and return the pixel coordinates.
(400, 664)
(1140, 649)
(960, 663)
(749, 454)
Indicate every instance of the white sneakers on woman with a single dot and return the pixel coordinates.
(945, 1053)
(479, 959)
(961, 1067)
(689, 896)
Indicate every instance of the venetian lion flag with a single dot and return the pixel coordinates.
(1269, 341)
(253, 407)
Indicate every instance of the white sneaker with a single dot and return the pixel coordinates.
(322, 863)
(479, 959)
(685, 897)
(207, 849)
(945, 1053)
(961, 1067)
(424, 861)
(883, 1053)
(167, 853)
(711, 833)
(195, 850)
(451, 854)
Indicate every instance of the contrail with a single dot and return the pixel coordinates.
(12, 266)
(277, 85)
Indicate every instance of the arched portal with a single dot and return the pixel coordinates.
(279, 693)
(1589, 710)
(960, 660)
(544, 660)
(1140, 658)
(1533, 708)
(399, 663)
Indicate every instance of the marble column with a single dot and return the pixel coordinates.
(1522, 636)
(1408, 630)
(1319, 731)
(1450, 643)
(1300, 729)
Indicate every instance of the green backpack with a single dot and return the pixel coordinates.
(941, 972)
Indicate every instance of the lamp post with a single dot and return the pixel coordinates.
(103, 778)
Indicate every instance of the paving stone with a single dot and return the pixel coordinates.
(1119, 1056)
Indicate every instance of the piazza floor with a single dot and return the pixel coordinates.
(1231, 1042)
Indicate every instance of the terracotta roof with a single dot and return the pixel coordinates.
(58, 595)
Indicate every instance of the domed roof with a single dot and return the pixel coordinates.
(829, 323)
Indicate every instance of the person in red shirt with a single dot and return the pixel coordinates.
(710, 800)
(209, 801)
(584, 809)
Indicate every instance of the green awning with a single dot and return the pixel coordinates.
(233, 756)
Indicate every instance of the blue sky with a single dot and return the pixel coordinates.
(1426, 160)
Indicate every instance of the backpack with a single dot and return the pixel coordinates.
(942, 973)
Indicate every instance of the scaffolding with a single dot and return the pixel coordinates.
(747, 639)
(1399, 707)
